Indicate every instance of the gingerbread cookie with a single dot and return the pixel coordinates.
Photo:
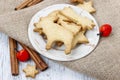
(88, 6)
(64, 27)
(70, 26)
(80, 38)
(84, 22)
(30, 71)
(55, 32)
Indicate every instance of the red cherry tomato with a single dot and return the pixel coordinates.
(23, 55)
(105, 30)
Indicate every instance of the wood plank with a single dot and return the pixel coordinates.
(55, 72)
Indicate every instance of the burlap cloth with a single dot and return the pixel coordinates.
(103, 63)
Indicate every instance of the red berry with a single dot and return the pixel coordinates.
(105, 30)
(23, 55)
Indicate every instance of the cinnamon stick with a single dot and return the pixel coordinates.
(23, 5)
(36, 58)
(13, 59)
(34, 2)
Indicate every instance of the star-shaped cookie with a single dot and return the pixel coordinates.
(84, 22)
(80, 38)
(30, 71)
(88, 6)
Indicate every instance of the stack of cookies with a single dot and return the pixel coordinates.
(64, 27)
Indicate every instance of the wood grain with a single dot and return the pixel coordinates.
(55, 72)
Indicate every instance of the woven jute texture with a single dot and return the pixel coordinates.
(103, 63)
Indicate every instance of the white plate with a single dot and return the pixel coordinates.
(58, 54)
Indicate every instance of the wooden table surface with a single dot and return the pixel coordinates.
(55, 71)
